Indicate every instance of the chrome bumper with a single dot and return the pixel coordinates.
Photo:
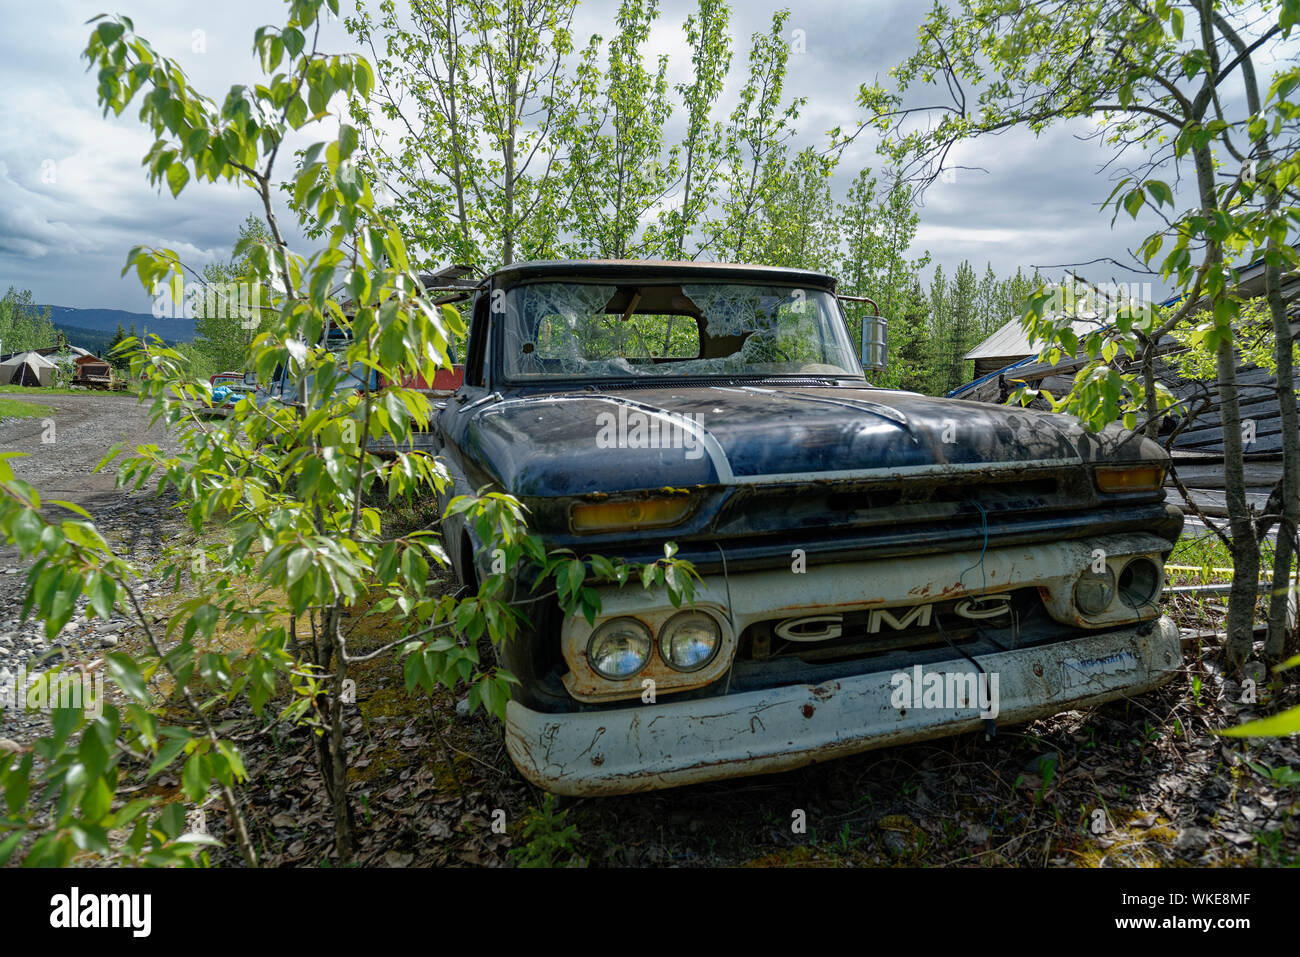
(646, 747)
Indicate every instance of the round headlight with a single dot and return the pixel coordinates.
(619, 648)
(1139, 583)
(1094, 592)
(689, 640)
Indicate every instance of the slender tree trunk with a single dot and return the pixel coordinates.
(1245, 546)
(1279, 607)
(1149, 386)
(337, 746)
(1279, 632)
(457, 139)
(508, 219)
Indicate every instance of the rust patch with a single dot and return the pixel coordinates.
(808, 710)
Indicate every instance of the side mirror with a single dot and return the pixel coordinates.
(875, 343)
(250, 378)
(875, 335)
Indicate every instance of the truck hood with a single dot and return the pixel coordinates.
(635, 438)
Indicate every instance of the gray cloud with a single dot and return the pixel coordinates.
(74, 198)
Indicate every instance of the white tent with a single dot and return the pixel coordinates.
(27, 368)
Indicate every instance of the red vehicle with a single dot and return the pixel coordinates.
(445, 382)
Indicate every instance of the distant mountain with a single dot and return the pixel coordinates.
(106, 320)
(92, 340)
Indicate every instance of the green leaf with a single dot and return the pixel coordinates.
(177, 177)
(195, 778)
(296, 113)
(415, 570)
(347, 140)
(1275, 726)
(26, 529)
(70, 506)
(1161, 192)
(171, 820)
(167, 754)
(299, 562)
(126, 675)
(92, 753)
(1133, 202)
(109, 32)
(103, 592)
(9, 845)
(97, 800)
(365, 77)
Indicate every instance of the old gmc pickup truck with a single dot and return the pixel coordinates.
(878, 566)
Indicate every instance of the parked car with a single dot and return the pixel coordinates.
(284, 387)
(878, 566)
(227, 389)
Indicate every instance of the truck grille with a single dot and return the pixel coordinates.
(831, 637)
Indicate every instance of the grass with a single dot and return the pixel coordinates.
(37, 390)
(13, 409)
(1209, 560)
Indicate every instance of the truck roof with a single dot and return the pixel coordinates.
(656, 269)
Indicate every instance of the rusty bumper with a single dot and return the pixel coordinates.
(642, 748)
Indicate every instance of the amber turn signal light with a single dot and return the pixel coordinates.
(1128, 478)
(643, 513)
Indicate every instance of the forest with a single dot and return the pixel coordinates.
(573, 162)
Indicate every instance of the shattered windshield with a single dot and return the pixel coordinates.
(592, 330)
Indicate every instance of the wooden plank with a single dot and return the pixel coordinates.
(1214, 503)
(1257, 474)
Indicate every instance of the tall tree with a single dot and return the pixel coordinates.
(875, 233)
(228, 314)
(1160, 80)
(23, 325)
(519, 48)
(474, 89)
(423, 73)
(759, 130)
(797, 217)
(963, 325)
(702, 148)
(612, 130)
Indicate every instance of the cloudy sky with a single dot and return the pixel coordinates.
(74, 197)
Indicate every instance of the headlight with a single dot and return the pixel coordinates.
(1139, 583)
(644, 513)
(1094, 592)
(1129, 478)
(689, 640)
(619, 648)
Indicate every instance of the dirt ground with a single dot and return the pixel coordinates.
(59, 455)
(1132, 783)
(60, 460)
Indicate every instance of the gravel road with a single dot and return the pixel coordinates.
(61, 452)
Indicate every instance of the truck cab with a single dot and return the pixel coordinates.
(877, 566)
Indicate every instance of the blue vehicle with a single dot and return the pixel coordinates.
(878, 566)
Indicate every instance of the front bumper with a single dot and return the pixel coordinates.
(684, 742)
